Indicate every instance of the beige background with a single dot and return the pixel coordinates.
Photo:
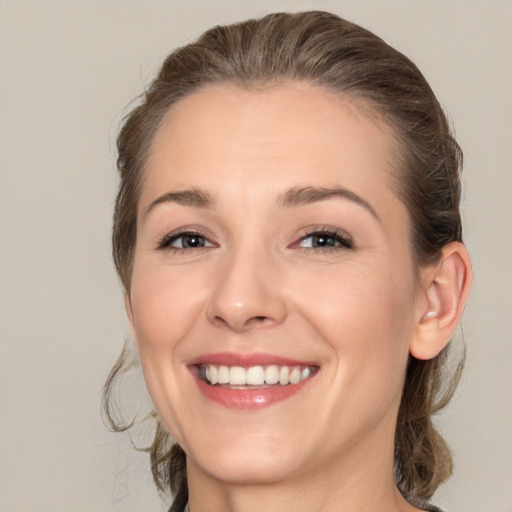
(68, 69)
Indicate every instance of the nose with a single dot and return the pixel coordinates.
(247, 294)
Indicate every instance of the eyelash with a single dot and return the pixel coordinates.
(168, 240)
(342, 239)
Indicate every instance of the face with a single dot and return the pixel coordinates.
(273, 297)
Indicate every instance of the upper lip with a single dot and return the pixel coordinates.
(247, 360)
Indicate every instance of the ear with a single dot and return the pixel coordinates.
(445, 287)
(129, 314)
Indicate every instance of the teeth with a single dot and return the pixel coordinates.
(256, 375)
(272, 375)
(211, 374)
(295, 376)
(284, 375)
(237, 376)
(222, 375)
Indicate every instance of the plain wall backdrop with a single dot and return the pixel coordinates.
(68, 70)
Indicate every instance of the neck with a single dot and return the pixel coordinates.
(353, 484)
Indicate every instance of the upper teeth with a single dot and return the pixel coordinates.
(256, 375)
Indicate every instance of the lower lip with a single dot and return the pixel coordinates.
(250, 399)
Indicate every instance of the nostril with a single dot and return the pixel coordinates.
(258, 320)
(253, 321)
(219, 320)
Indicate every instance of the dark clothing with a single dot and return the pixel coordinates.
(424, 506)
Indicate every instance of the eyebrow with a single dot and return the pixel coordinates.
(298, 196)
(295, 196)
(191, 197)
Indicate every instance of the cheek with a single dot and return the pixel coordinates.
(165, 304)
(355, 299)
(366, 318)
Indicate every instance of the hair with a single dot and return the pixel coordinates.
(323, 50)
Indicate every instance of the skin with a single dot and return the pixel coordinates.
(256, 286)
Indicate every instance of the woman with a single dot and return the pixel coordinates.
(288, 235)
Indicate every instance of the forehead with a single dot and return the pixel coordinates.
(294, 134)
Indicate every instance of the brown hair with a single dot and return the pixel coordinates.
(325, 50)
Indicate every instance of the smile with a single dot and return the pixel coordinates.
(254, 376)
(250, 381)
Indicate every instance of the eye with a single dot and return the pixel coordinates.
(185, 241)
(326, 240)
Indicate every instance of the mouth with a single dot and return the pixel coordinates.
(249, 382)
(254, 377)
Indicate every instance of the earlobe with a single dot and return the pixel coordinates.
(446, 286)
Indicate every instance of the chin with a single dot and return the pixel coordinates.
(244, 470)
(242, 461)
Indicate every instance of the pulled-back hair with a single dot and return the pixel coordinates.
(326, 51)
